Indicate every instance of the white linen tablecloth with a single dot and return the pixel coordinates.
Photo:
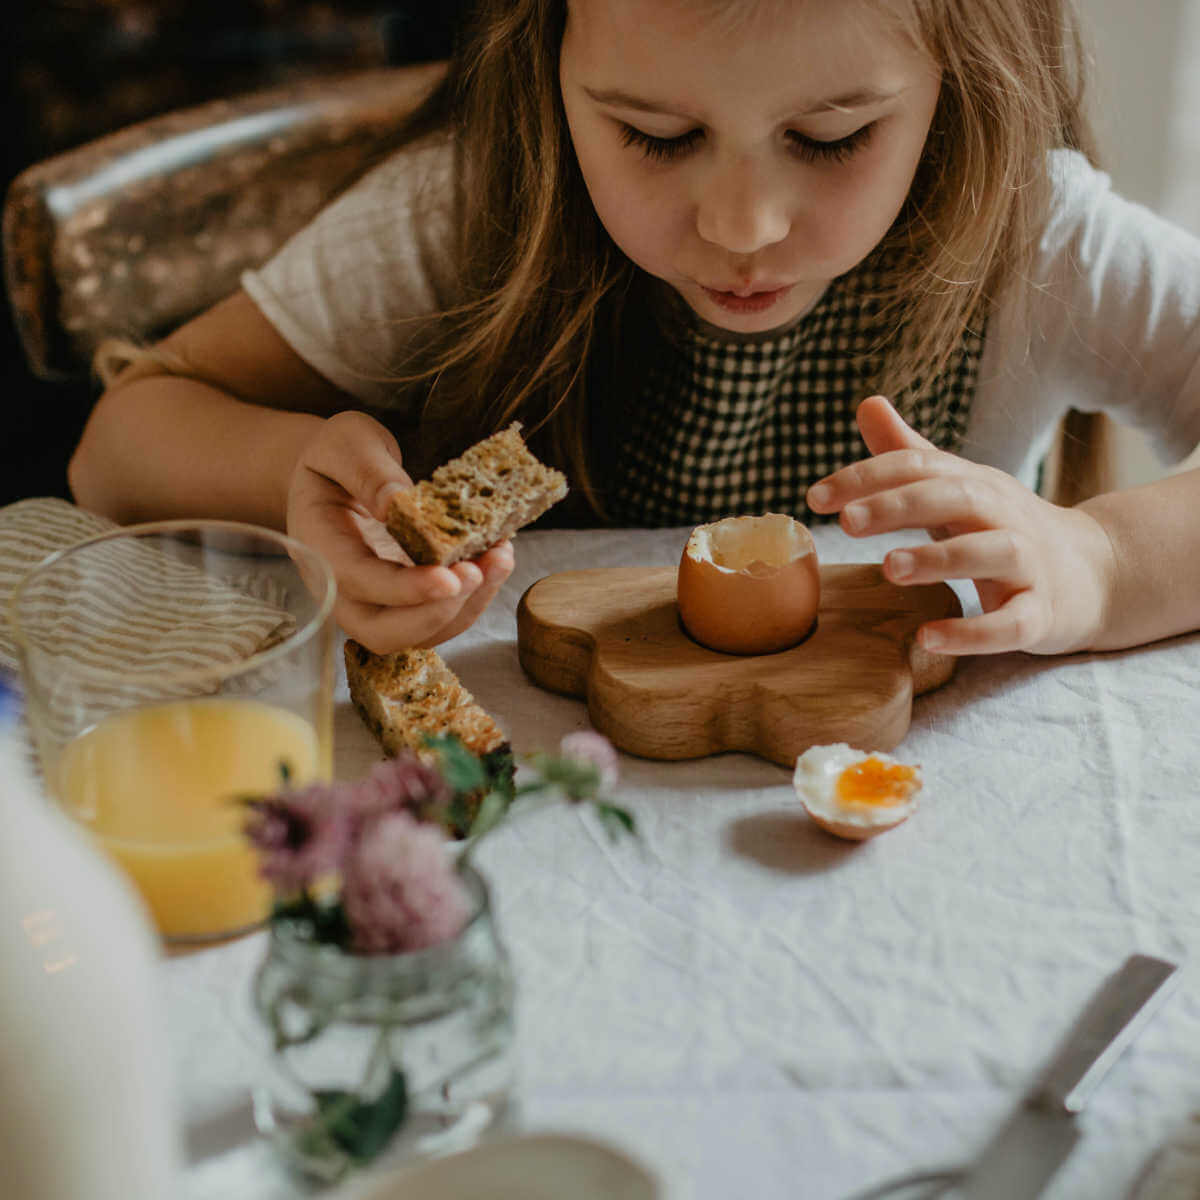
(754, 1009)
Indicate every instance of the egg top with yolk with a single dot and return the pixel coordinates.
(749, 585)
(872, 782)
(844, 786)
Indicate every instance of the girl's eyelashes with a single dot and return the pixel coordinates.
(811, 150)
(658, 148)
(807, 149)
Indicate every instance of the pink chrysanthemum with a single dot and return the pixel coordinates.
(299, 835)
(401, 784)
(592, 749)
(400, 890)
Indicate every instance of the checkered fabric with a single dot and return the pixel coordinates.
(726, 427)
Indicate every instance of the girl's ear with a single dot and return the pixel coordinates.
(884, 429)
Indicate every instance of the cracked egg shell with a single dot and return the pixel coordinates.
(749, 585)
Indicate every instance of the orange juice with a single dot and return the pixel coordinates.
(158, 786)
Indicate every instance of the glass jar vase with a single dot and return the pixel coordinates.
(402, 1055)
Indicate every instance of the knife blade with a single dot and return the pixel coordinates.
(1036, 1139)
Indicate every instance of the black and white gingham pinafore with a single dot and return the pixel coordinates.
(727, 426)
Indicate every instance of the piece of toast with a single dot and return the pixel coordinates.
(406, 696)
(474, 501)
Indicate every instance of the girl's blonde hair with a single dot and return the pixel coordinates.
(540, 277)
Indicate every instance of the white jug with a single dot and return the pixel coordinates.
(86, 1090)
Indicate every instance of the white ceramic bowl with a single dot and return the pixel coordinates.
(532, 1167)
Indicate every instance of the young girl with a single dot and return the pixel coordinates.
(681, 240)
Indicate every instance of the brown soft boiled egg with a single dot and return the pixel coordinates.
(749, 585)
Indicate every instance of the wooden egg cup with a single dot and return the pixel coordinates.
(612, 636)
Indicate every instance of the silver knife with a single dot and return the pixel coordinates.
(1034, 1142)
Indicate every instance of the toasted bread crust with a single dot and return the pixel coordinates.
(474, 501)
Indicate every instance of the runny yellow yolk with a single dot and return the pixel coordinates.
(873, 783)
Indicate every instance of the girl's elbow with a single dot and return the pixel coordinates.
(87, 476)
(81, 479)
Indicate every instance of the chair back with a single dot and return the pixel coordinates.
(132, 234)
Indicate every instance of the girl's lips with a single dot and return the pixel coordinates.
(756, 302)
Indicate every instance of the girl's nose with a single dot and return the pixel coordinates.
(741, 210)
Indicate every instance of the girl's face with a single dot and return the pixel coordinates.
(745, 164)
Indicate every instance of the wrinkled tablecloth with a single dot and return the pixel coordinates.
(754, 1009)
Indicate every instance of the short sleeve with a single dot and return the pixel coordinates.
(350, 291)
(1109, 322)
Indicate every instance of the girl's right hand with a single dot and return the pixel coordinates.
(337, 499)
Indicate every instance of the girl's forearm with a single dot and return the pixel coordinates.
(1154, 531)
(165, 446)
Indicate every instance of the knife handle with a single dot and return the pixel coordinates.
(1115, 1015)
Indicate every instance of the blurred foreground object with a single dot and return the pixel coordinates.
(86, 1107)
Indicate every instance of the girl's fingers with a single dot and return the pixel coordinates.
(362, 457)
(1018, 624)
(332, 529)
(870, 475)
(884, 429)
(372, 580)
(899, 455)
(386, 630)
(497, 566)
(986, 527)
(930, 503)
(996, 554)
(369, 564)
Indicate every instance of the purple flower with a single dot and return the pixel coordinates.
(592, 749)
(400, 889)
(401, 784)
(299, 835)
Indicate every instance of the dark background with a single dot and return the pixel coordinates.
(71, 72)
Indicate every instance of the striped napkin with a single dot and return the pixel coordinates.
(155, 615)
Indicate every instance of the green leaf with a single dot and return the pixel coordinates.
(491, 813)
(501, 771)
(461, 769)
(458, 815)
(362, 1128)
(324, 922)
(301, 908)
(332, 925)
(618, 821)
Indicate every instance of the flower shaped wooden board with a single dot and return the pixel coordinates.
(612, 635)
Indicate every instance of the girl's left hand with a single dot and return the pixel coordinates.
(1043, 573)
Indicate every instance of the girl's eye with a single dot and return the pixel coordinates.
(807, 149)
(658, 148)
(811, 150)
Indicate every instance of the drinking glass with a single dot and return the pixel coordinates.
(173, 671)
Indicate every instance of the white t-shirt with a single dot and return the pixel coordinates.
(1112, 324)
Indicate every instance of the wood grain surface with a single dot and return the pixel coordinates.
(612, 636)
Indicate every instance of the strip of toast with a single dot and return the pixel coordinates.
(405, 696)
(474, 501)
